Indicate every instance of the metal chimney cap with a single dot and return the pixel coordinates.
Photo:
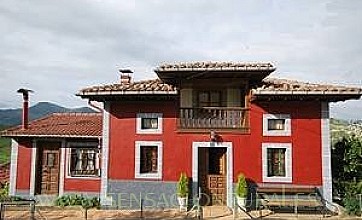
(22, 90)
(125, 70)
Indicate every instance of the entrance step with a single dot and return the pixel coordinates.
(216, 211)
(45, 200)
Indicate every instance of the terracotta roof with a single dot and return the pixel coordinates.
(268, 86)
(215, 66)
(71, 125)
(155, 86)
(271, 86)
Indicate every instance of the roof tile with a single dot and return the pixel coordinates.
(61, 125)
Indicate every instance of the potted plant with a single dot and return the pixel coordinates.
(182, 191)
(241, 191)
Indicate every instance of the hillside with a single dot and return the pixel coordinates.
(10, 117)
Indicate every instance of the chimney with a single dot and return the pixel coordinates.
(125, 76)
(25, 93)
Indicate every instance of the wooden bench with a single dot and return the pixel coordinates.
(273, 198)
(16, 204)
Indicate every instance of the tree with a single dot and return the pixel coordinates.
(347, 172)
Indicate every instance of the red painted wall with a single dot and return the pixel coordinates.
(82, 185)
(177, 147)
(24, 164)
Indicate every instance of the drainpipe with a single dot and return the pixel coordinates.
(94, 106)
(25, 93)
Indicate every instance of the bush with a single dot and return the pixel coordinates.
(352, 199)
(4, 194)
(183, 186)
(77, 200)
(241, 186)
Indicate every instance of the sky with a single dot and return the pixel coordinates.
(58, 47)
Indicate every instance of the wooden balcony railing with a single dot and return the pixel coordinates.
(214, 118)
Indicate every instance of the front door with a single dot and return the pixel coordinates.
(212, 175)
(48, 168)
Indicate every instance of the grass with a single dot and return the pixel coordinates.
(4, 148)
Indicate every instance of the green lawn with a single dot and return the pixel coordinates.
(4, 148)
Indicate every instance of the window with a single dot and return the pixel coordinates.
(148, 162)
(84, 162)
(277, 162)
(276, 125)
(210, 99)
(148, 159)
(149, 123)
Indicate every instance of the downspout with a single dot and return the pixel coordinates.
(94, 106)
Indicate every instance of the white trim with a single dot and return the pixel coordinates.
(50, 136)
(13, 167)
(288, 163)
(287, 129)
(326, 154)
(81, 145)
(296, 92)
(138, 174)
(62, 168)
(139, 129)
(33, 168)
(229, 166)
(122, 92)
(105, 200)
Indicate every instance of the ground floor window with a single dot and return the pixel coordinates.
(84, 162)
(148, 159)
(277, 162)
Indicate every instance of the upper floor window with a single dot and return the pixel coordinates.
(149, 123)
(214, 98)
(276, 125)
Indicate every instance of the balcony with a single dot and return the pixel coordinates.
(214, 118)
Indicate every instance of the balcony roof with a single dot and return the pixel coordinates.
(174, 73)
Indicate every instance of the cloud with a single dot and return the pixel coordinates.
(58, 47)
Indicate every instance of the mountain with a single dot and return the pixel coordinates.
(9, 117)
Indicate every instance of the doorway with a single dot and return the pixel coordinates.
(47, 175)
(212, 175)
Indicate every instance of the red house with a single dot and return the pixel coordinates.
(212, 120)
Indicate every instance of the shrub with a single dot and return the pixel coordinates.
(241, 186)
(80, 200)
(352, 199)
(183, 186)
(4, 194)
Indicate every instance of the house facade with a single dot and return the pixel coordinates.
(56, 155)
(211, 120)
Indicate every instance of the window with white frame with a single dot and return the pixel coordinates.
(148, 159)
(83, 161)
(149, 123)
(276, 125)
(277, 162)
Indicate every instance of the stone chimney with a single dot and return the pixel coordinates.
(25, 93)
(125, 76)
